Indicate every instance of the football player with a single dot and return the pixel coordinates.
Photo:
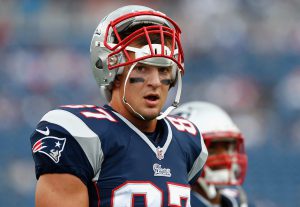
(225, 169)
(127, 152)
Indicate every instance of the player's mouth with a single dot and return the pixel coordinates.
(152, 99)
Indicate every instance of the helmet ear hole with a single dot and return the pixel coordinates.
(99, 64)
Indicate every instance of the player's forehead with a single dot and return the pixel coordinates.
(144, 65)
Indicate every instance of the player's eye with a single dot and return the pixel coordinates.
(164, 69)
(140, 68)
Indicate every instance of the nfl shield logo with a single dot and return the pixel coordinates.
(159, 153)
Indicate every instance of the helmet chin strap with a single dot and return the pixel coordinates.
(124, 92)
(177, 98)
(169, 109)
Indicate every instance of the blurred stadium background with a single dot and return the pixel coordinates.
(242, 55)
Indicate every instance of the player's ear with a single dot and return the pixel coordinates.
(117, 82)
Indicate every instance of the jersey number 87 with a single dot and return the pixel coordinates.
(153, 196)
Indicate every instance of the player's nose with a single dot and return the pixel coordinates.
(154, 78)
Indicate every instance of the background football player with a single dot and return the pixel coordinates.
(125, 153)
(225, 169)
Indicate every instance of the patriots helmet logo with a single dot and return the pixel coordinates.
(50, 146)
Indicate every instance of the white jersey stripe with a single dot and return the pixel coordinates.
(87, 139)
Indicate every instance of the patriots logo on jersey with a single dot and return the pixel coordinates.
(159, 171)
(50, 146)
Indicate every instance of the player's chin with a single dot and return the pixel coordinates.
(151, 114)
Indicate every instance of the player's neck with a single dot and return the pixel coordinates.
(142, 125)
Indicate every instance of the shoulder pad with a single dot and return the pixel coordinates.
(70, 122)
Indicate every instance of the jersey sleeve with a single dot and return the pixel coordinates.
(63, 143)
(197, 157)
(192, 144)
(194, 147)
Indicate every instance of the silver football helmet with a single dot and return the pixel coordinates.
(227, 161)
(111, 42)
